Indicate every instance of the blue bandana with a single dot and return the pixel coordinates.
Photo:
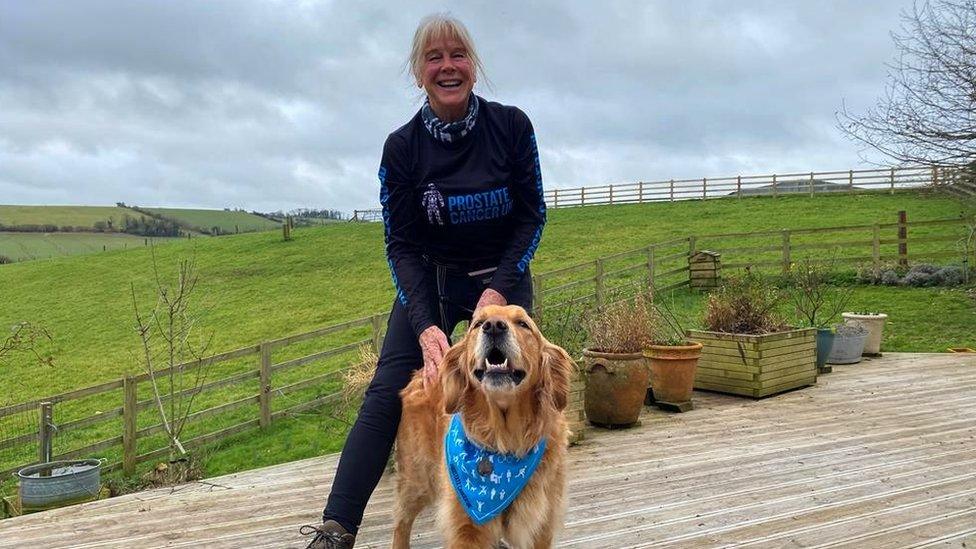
(449, 132)
(485, 482)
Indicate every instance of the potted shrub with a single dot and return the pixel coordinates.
(817, 303)
(673, 361)
(848, 343)
(874, 322)
(614, 367)
(748, 350)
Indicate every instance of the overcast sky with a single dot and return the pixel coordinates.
(282, 104)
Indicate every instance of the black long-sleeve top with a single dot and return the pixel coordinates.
(474, 203)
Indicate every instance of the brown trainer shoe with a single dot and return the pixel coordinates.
(331, 535)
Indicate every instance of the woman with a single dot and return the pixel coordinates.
(463, 208)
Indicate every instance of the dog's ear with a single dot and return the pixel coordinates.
(557, 369)
(454, 379)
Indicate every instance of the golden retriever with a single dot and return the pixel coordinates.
(510, 387)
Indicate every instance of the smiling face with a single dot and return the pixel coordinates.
(448, 76)
(502, 357)
(502, 337)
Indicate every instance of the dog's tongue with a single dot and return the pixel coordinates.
(498, 368)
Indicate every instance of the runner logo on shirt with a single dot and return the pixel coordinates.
(469, 208)
(433, 201)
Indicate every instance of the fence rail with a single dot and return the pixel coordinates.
(663, 264)
(888, 180)
(810, 183)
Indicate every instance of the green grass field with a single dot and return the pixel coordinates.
(72, 216)
(228, 221)
(256, 287)
(28, 246)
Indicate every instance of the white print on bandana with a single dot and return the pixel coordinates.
(433, 202)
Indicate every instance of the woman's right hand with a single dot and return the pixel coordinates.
(434, 345)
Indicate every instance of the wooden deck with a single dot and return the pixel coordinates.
(878, 454)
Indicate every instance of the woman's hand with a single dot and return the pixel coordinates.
(434, 345)
(490, 297)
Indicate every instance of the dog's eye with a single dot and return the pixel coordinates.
(523, 324)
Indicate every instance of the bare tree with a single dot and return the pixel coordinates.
(927, 114)
(24, 338)
(166, 335)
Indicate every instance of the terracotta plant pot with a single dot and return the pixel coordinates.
(673, 370)
(875, 325)
(615, 387)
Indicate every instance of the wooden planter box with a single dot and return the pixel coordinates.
(756, 365)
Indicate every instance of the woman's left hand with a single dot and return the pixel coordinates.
(490, 297)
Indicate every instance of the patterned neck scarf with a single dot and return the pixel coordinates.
(449, 132)
(485, 482)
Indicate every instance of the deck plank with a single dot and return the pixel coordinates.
(877, 454)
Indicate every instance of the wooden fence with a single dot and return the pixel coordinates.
(137, 412)
(665, 264)
(124, 415)
(809, 183)
(367, 215)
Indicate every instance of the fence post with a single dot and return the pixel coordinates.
(692, 245)
(650, 267)
(611, 194)
(704, 188)
(672, 190)
(599, 283)
(44, 433)
(786, 251)
(876, 251)
(903, 238)
(264, 396)
(377, 323)
(738, 186)
(935, 175)
(850, 181)
(640, 192)
(555, 198)
(537, 297)
(582, 196)
(775, 192)
(811, 185)
(891, 177)
(129, 414)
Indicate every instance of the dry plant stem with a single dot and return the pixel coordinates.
(816, 302)
(666, 313)
(144, 336)
(23, 338)
(623, 326)
(171, 322)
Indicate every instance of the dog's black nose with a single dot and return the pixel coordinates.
(494, 327)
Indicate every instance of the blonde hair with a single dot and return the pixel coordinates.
(437, 26)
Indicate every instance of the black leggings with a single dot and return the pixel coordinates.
(370, 440)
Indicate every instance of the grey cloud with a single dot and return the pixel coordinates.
(276, 104)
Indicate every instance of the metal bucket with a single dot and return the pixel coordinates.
(846, 349)
(63, 482)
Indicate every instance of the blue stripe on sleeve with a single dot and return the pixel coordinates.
(384, 200)
(530, 251)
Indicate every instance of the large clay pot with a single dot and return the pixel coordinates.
(673, 369)
(615, 387)
(875, 325)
